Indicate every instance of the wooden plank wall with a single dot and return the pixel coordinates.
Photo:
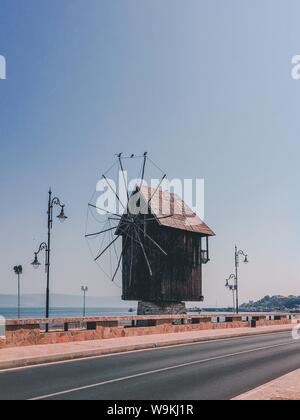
(177, 277)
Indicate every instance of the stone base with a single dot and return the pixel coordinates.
(161, 308)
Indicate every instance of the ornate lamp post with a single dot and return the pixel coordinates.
(18, 269)
(47, 246)
(84, 289)
(235, 287)
(36, 265)
(237, 255)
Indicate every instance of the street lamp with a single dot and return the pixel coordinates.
(36, 264)
(47, 246)
(237, 255)
(18, 269)
(84, 289)
(231, 287)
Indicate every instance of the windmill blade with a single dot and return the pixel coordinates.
(155, 191)
(129, 226)
(111, 238)
(153, 241)
(158, 218)
(144, 164)
(138, 242)
(153, 219)
(144, 252)
(131, 256)
(143, 169)
(155, 165)
(145, 156)
(108, 246)
(133, 238)
(157, 188)
(131, 263)
(120, 259)
(123, 174)
(105, 211)
(118, 266)
(111, 168)
(115, 193)
(99, 233)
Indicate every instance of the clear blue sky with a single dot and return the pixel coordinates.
(203, 85)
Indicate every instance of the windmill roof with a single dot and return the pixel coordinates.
(172, 212)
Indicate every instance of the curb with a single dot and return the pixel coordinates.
(56, 358)
(284, 388)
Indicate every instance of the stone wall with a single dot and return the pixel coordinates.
(27, 338)
(31, 334)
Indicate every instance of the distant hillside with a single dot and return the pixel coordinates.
(274, 303)
(63, 301)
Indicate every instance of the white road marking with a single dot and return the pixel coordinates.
(151, 372)
(123, 353)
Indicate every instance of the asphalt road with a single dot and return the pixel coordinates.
(206, 371)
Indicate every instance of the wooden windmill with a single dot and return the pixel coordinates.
(164, 245)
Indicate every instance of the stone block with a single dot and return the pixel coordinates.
(161, 308)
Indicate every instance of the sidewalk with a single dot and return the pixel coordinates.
(28, 356)
(284, 388)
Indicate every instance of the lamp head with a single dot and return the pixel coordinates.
(18, 269)
(36, 264)
(62, 217)
(246, 260)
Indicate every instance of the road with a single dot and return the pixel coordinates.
(218, 370)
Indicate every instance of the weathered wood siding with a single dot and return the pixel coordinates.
(176, 277)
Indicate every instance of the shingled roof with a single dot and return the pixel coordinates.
(172, 212)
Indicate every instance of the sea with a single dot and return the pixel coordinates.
(12, 313)
(27, 313)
